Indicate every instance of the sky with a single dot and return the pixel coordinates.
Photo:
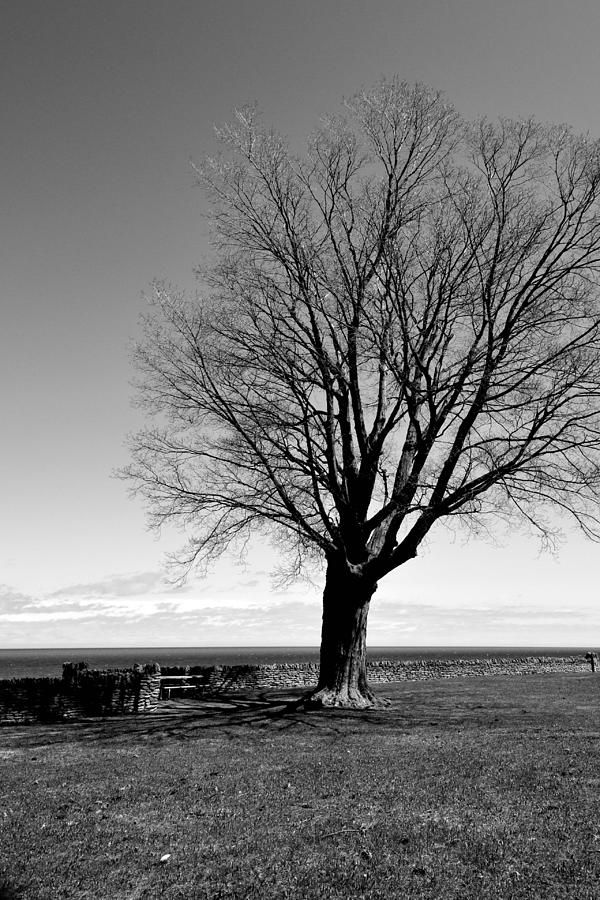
(103, 107)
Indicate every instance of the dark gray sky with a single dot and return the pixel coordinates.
(102, 106)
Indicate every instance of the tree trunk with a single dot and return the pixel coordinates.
(343, 662)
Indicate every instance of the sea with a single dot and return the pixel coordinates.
(30, 663)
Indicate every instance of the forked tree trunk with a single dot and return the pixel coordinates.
(343, 661)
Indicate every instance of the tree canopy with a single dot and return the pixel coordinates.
(400, 325)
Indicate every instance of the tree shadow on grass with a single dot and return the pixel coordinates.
(520, 703)
(7, 891)
(230, 715)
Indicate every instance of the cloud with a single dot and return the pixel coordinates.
(125, 622)
(227, 587)
(132, 585)
(145, 603)
(12, 600)
(484, 624)
(232, 608)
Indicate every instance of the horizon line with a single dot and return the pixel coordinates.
(289, 646)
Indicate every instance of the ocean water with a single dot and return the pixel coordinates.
(45, 662)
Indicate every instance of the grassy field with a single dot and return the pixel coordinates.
(462, 788)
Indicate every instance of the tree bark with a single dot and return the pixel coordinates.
(343, 659)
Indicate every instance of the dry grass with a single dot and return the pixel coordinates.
(463, 788)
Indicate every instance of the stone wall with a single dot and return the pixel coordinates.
(80, 693)
(25, 700)
(83, 692)
(419, 669)
(223, 679)
(218, 679)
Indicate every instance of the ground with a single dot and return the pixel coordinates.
(461, 788)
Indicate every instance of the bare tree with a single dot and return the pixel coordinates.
(401, 326)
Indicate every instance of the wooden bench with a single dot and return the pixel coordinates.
(181, 684)
(167, 688)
